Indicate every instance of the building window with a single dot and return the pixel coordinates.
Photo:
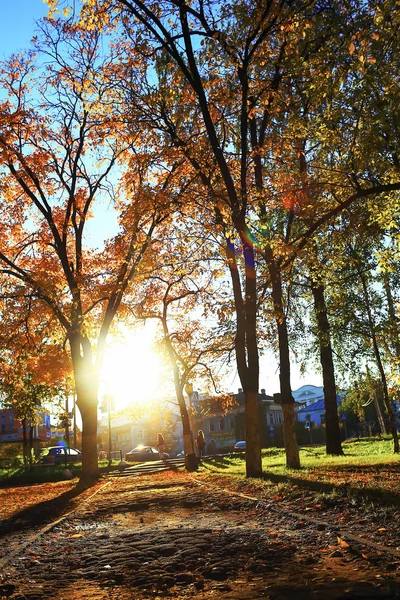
(231, 423)
(271, 419)
(279, 416)
(139, 434)
(221, 424)
(212, 426)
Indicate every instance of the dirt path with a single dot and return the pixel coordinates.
(165, 536)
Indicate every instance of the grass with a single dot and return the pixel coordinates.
(46, 473)
(368, 467)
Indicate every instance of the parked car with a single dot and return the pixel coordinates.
(56, 455)
(181, 454)
(143, 454)
(240, 446)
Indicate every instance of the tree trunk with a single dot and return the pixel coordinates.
(253, 450)
(287, 400)
(31, 432)
(385, 391)
(393, 319)
(191, 462)
(24, 442)
(88, 409)
(67, 414)
(188, 444)
(333, 444)
(246, 350)
(86, 383)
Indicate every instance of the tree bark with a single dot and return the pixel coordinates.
(385, 391)
(188, 444)
(393, 319)
(246, 350)
(24, 442)
(86, 383)
(287, 400)
(333, 443)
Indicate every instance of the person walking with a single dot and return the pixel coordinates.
(200, 443)
(160, 445)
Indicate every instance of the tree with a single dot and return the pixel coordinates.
(377, 353)
(33, 366)
(227, 78)
(58, 151)
(26, 396)
(179, 287)
(236, 68)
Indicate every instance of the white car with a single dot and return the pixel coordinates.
(143, 454)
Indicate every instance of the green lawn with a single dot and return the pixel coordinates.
(368, 465)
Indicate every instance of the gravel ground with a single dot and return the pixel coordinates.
(166, 536)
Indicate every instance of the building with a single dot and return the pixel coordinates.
(308, 394)
(127, 432)
(314, 413)
(223, 420)
(12, 428)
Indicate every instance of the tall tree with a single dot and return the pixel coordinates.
(60, 157)
(178, 293)
(227, 75)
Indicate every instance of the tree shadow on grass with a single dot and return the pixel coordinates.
(222, 462)
(355, 489)
(42, 513)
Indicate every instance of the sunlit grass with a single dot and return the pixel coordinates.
(367, 464)
(368, 451)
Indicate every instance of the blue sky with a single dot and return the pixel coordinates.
(17, 24)
(17, 28)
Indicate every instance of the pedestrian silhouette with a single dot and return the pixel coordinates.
(160, 445)
(200, 443)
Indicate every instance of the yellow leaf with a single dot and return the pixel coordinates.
(352, 48)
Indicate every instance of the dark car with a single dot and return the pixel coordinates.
(240, 446)
(56, 455)
(143, 454)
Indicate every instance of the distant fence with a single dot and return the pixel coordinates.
(114, 455)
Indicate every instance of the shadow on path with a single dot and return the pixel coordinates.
(43, 512)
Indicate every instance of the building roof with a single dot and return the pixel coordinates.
(308, 392)
(318, 405)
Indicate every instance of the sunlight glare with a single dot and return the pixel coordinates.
(132, 370)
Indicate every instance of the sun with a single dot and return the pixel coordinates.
(132, 372)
